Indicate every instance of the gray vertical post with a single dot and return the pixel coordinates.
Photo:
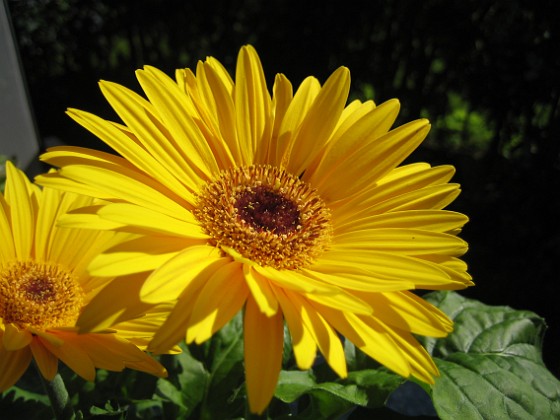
(18, 134)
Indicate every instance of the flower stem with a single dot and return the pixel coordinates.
(58, 396)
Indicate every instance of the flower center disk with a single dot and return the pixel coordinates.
(39, 295)
(265, 214)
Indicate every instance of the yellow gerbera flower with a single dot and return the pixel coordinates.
(44, 288)
(291, 207)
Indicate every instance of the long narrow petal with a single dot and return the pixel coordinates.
(261, 291)
(15, 338)
(264, 340)
(46, 361)
(73, 355)
(220, 299)
(368, 338)
(153, 220)
(382, 265)
(252, 103)
(367, 122)
(127, 185)
(12, 365)
(323, 334)
(165, 170)
(103, 310)
(22, 214)
(282, 96)
(408, 312)
(295, 114)
(430, 220)
(107, 351)
(7, 248)
(320, 120)
(168, 282)
(402, 241)
(170, 103)
(375, 158)
(303, 344)
(141, 254)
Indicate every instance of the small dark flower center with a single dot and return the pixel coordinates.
(264, 209)
(39, 289)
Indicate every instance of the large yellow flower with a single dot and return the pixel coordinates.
(291, 207)
(44, 288)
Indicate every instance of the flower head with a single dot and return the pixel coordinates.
(45, 289)
(291, 206)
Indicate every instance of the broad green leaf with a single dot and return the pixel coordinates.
(491, 365)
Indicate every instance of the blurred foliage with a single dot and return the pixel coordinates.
(485, 73)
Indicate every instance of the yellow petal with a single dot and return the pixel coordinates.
(282, 96)
(261, 291)
(168, 281)
(382, 265)
(185, 225)
(220, 299)
(402, 241)
(141, 254)
(323, 334)
(173, 329)
(103, 311)
(132, 186)
(369, 338)
(12, 365)
(108, 352)
(431, 220)
(304, 346)
(263, 345)
(173, 106)
(421, 364)
(72, 355)
(366, 123)
(219, 113)
(349, 275)
(296, 112)
(375, 158)
(343, 301)
(7, 249)
(46, 361)
(320, 120)
(154, 162)
(15, 338)
(408, 312)
(17, 194)
(295, 280)
(252, 104)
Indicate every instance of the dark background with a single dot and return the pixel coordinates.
(485, 73)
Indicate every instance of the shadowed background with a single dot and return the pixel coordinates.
(485, 74)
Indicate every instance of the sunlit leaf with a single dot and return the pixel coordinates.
(491, 365)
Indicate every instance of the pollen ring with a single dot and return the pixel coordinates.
(267, 215)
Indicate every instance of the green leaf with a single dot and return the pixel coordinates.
(185, 389)
(491, 365)
(292, 384)
(226, 372)
(378, 384)
(366, 388)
